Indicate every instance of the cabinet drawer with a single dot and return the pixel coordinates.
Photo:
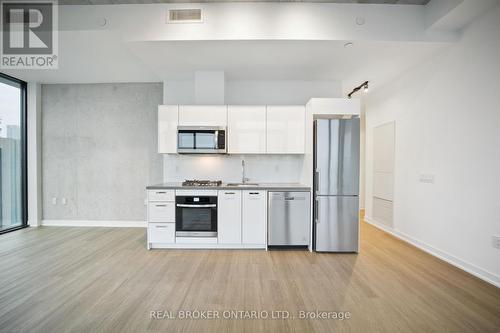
(161, 232)
(161, 212)
(161, 195)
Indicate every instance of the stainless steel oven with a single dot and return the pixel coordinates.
(201, 140)
(196, 216)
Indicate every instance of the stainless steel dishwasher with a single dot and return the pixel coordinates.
(288, 219)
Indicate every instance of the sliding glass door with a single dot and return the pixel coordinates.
(12, 154)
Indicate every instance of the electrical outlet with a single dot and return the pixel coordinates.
(426, 178)
(54, 200)
(495, 240)
(64, 201)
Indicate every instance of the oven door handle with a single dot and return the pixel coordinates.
(197, 206)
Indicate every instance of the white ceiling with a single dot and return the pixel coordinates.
(116, 2)
(100, 57)
(279, 60)
(89, 54)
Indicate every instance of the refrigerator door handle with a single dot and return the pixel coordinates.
(316, 206)
(318, 182)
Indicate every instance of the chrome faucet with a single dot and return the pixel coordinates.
(243, 178)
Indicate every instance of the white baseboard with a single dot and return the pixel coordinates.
(463, 265)
(95, 223)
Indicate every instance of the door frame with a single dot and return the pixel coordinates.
(23, 151)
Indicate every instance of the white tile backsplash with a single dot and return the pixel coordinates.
(258, 168)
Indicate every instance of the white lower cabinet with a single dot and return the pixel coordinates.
(161, 217)
(161, 211)
(229, 217)
(161, 233)
(254, 217)
(241, 219)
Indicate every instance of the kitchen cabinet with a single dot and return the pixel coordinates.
(161, 233)
(202, 115)
(229, 217)
(251, 129)
(254, 217)
(247, 129)
(285, 129)
(161, 217)
(161, 211)
(161, 195)
(168, 117)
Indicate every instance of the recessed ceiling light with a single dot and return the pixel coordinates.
(348, 45)
(360, 20)
(102, 21)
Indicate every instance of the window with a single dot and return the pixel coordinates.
(13, 202)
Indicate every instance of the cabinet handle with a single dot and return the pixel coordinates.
(254, 193)
(229, 193)
(160, 226)
(161, 192)
(161, 205)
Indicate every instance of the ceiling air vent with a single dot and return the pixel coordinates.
(184, 16)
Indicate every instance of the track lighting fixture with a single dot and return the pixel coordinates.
(363, 85)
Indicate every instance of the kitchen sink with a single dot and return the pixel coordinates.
(242, 184)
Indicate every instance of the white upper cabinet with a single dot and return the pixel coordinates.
(286, 129)
(254, 129)
(168, 117)
(229, 217)
(247, 129)
(202, 115)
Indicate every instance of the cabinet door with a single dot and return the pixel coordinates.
(202, 115)
(161, 233)
(253, 217)
(161, 195)
(286, 129)
(247, 129)
(161, 211)
(229, 217)
(168, 117)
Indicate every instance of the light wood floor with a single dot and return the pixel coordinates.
(102, 279)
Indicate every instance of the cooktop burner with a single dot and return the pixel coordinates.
(197, 182)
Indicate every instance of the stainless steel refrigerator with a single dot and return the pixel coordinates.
(336, 185)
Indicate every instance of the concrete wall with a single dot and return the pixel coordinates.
(447, 117)
(99, 150)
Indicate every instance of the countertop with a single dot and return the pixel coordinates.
(260, 186)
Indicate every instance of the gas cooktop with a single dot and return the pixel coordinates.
(201, 183)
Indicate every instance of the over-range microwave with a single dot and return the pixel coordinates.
(201, 140)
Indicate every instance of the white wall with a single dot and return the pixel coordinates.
(258, 168)
(362, 157)
(447, 125)
(279, 92)
(260, 21)
(34, 154)
(257, 91)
